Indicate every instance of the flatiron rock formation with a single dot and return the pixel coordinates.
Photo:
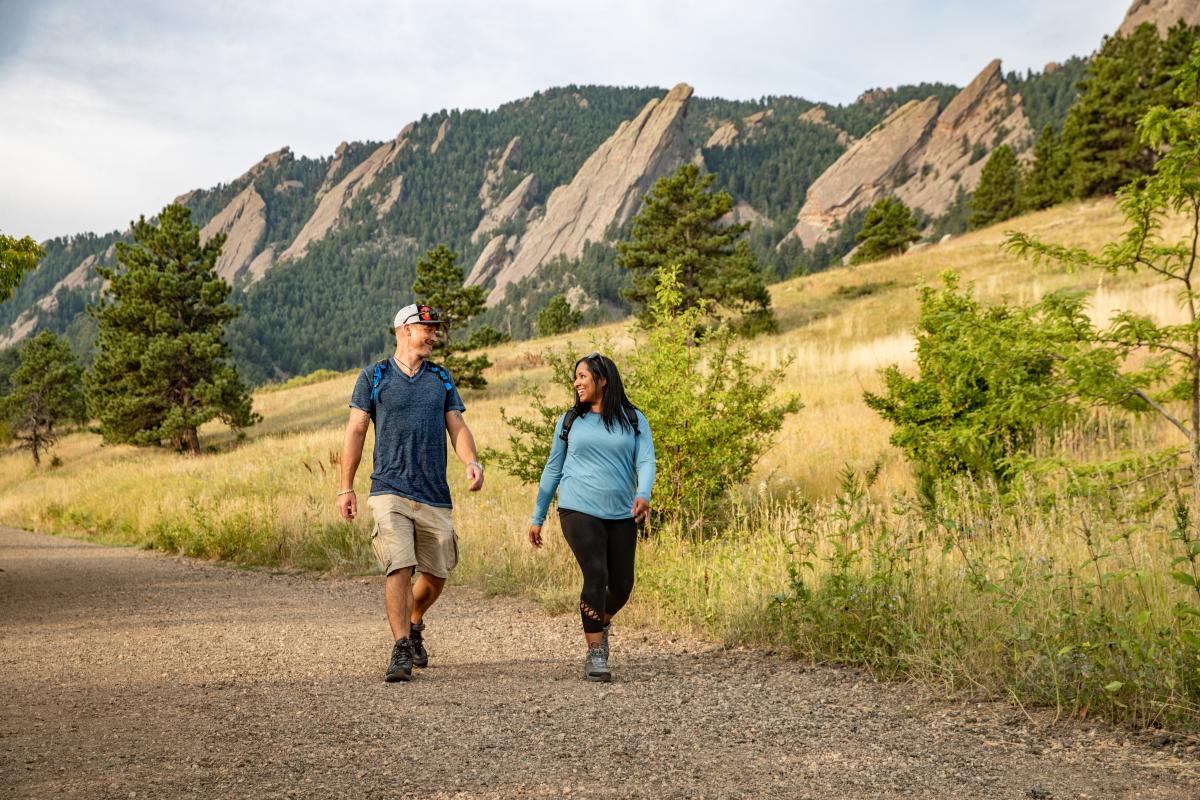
(918, 154)
(244, 222)
(607, 190)
(507, 209)
(1163, 13)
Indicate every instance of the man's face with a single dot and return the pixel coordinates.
(419, 338)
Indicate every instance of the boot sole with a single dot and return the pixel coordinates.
(399, 677)
(605, 677)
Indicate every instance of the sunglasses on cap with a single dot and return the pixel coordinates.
(425, 314)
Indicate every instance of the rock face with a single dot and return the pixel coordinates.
(390, 196)
(918, 155)
(1163, 13)
(496, 254)
(510, 159)
(816, 116)
(507, 209)
(608, 188)
(752, 125)
(341, 195)
(244, 221)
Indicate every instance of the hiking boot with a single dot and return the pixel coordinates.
(401, 663)
(604, 641)
(595, 665)
(420, 656)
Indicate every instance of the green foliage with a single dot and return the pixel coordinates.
(680, 226)
(1125, 79)
(439, 283)
(45, 392)
(1045, 182)
(1171, 371)
(889, 228)
(989, 381)
(998, 196)
(711, 411)
(558, 317)
(162, 368)
(1046, 97)
(317, 376)
(17, 256)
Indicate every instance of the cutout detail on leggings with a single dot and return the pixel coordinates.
(588, 611)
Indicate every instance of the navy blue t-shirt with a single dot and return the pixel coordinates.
(410, 430)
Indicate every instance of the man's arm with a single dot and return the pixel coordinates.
(464, 448)
(352, 447)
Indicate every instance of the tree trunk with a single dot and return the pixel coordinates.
(192, 441)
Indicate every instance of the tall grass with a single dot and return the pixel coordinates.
(1063, 599)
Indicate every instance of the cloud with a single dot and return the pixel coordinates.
(116, 108)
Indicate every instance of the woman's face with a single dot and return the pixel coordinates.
(586, 388)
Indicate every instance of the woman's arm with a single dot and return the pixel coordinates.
(644, 459)
(551, 475)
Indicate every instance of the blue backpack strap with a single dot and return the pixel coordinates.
(377, 377)
(440, 371)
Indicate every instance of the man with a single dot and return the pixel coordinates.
(413, 403)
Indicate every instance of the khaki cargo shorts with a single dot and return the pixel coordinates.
(412, 534)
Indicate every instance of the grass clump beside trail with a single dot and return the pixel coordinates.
(1059, 598)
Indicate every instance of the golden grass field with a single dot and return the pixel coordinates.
(269, 500)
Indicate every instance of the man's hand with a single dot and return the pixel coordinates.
(535, 536)
(474, 477)
(641, 507)
(347, 506)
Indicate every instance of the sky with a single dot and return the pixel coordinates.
(111, 108)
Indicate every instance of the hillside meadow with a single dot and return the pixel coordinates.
(1054, 598)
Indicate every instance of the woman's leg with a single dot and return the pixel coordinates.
(587, 538)
(622, 541)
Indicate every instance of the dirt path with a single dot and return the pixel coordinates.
(131, 674)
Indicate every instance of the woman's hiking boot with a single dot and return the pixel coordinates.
(416, 640)
(595, 665)
(401, 663)
(604, 641)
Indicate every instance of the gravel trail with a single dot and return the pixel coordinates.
(132, 674)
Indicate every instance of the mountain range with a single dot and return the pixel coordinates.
(532, 193)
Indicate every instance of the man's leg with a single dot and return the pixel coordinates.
(398, 599)
(426, 591)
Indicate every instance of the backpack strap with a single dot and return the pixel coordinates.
(377, 377)
(568, 420)
(440, 371)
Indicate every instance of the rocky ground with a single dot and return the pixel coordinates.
(132, 674)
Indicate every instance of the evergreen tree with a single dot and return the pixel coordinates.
(163, 368)
(1044, 183)
(890, 227)
(680, 226)
(439, 284)
(558, 317)
(17, 256)
(46, 390)
(998, 196)
(1126, 78)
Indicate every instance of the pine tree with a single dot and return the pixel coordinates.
(17, 256)
(46, 390)
(1127, 77)
(1044, 184)
(162, 367)
(439, 283)
(558, 317)
(997, 197)
(680, 226)
(890, 227)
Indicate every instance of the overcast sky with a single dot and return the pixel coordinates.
(111, 109)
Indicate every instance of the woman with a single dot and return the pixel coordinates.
(602, 464)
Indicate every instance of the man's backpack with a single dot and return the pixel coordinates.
(572, 415)
(378, 371)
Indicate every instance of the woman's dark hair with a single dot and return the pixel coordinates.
(615, 406)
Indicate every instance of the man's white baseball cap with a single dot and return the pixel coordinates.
(419, 315)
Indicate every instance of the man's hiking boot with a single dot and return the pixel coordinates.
(595, 665)
(401, 663)
(420, 656)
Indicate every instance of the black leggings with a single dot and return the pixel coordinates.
(604, 549)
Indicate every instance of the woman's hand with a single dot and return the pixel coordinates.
(535, 536)
(641, 507)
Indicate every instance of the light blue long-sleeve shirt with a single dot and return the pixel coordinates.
(600, 472)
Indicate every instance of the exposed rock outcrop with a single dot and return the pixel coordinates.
(343, 194)
(507, 209)
(608, 188)
(440, 136)
(287, 186)
(728, 133)
(919, 155)
(244, 221)
(496, 255)
(22, 327)
(390, 196)
(1163, 13)
(510, 159)
(817, 116)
